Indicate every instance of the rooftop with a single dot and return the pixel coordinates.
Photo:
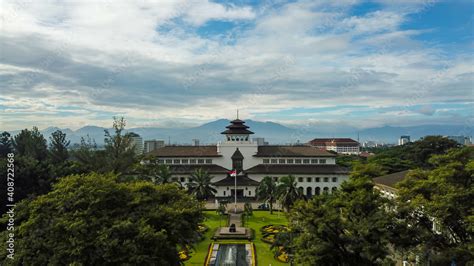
(333, 140)
(292, 151)
(391, 180)
(186, 151)
(297, 169)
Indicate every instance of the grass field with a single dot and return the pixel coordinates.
(259, 219)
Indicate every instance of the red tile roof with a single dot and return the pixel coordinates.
(292, 151)
(186, 151)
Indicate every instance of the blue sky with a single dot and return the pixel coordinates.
(183, 63)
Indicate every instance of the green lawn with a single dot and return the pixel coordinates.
(259, 219)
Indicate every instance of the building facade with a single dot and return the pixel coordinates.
(339, 145)
(151, 145)
(137, 142)
(315, 169)
(404, 140)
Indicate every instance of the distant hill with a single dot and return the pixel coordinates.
(272, 132)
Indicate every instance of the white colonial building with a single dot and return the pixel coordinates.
(315, 169)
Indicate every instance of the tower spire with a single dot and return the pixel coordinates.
(237, 113)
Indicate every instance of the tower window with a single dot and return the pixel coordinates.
(169, 161)
(266, 161)
(289, 161)
(314, 161)
(201, 161)
(281, 161)
(184, 161)
(192, 161)
(176, 161)
(297, 160)
(208, 161)
(306, 161)
(274, 160)
(322, 161)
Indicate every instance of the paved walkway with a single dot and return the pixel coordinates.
(234, 218)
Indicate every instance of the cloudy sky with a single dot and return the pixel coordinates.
(182, 63)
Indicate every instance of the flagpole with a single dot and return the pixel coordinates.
(235, 192)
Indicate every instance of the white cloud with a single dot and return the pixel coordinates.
(148, 62)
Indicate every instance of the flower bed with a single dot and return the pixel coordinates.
(184, 253)
(273, 229)
(282, 255)
(202, 228)
(268, 238)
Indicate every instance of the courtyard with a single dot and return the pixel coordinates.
(264, 255)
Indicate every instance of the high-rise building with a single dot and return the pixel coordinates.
(404, 140)
(460, 139)
(260, 141)
(151, 145)
(137, 141)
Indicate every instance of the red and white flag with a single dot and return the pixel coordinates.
(233, 173)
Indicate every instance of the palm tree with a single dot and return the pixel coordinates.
(200, 185)
(267, 190)
(164, 174)
(287, 192)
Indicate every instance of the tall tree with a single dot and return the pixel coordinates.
(5, 144)
(88, 157)
(442, 198)
(119, 149)
(31, 143)
(288, 192)
(201, 186)
(352, 226)
(105, 222)
(267, 190)
(58, 147)
(163, 174)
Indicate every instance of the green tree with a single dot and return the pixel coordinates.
(6, 145)
(352, 226)
(58, 147)
(442, 197)
(31, 143)
(88, 157)
(119, 150)
(95, 220)
(288, 192)
(201, 186)
(163, 174)
(267, 191)
(367, 170)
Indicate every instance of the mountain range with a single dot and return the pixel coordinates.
(274, 133)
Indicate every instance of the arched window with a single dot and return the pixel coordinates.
(333, 189)
(301, 190)
(325, 190)
(309, 192)
(317, 191)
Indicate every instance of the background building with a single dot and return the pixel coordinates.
(404, 140)
(339, 145)
(151, 145)
(460, 139)
(137, 141)
(260, 141)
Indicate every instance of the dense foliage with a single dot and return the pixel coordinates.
(95, 220)
(442, 197)
(399, 158)
(349, 227)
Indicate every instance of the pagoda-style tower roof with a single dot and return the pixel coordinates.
(237, 127)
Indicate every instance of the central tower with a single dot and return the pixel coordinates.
(237, 131)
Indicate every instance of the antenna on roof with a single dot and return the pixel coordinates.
(237, 113)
